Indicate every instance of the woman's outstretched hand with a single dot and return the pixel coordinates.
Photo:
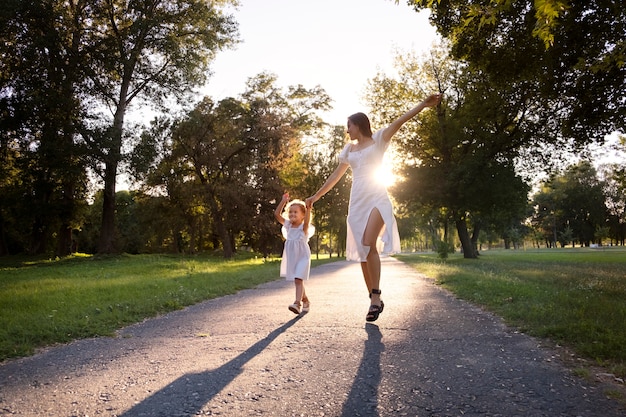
(432, 100)
(309, 202)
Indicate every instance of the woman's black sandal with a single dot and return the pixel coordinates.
(382, 305)
(374, 311)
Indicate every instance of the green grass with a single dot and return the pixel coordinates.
(45, 302)
(574, 297)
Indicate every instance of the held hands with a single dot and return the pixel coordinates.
(309, 202)
(285, 197)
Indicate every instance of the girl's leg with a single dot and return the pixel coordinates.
(296, 306)
(371, 268)
(304, 297)
(299, 290)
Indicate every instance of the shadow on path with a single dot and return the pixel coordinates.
(191, 392)
(363, 397)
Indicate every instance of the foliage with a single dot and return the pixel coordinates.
(68, 75)
(571, 206)
(316, 163)
(41, 80)
(614, 177)
(150, 50)
(457, 160)
(227, 162)
(564, 60)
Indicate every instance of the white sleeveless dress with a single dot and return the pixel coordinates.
(296, 259)
(367, 193)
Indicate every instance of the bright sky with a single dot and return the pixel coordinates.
(337, 44)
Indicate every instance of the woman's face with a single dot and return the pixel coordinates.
(353, 130)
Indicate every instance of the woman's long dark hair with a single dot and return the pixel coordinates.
(363, 123)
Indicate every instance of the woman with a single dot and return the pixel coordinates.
(370, 213)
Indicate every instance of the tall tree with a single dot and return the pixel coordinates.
(460, 159)
(230, 157)
(565, 58)
(152, 49)
(41, 79)
(571, 203)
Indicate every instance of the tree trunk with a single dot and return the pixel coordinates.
(474, 239)
(220, 227)
(4, 248)
(464, 237)
(227, 245)
(64, 238)
(112, 160)
(107, 230)
(39, 237)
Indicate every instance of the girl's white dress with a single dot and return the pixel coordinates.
(366, 194)
(296, 260)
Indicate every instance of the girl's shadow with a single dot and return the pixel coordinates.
(191, 392)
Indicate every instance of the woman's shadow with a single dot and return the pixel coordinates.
(363, 397)
(191, 392)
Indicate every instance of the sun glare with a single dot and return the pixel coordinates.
(386, 176)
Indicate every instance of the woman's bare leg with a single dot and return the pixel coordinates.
(374, 225)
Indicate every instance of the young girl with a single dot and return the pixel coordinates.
(295, 264)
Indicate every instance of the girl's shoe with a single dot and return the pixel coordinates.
(305, 306)
(295, 308)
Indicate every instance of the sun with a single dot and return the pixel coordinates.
(386, 176)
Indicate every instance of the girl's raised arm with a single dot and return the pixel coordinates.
(278, 213)
(307, 220)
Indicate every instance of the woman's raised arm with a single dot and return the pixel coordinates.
(431, 101)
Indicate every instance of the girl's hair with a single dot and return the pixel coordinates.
(298, 203)
(363, 123)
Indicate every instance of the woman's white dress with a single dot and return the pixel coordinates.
(366, 194)
(296, 260)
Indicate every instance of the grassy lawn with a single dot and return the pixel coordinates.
(574, 297)
(47, 302)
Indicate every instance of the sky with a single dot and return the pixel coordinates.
(336, 44)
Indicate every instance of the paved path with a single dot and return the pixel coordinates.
(429, 354)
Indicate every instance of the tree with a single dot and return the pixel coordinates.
(571, 206)
(41, 78)
(64, 63)
(565, 58)
(317, 161)
(150, 49)
(614, 176)
(458, 160)
(230, 157)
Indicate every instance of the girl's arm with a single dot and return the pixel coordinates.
(431, 101)
(329, 184)
(279, 209)
(307, 220)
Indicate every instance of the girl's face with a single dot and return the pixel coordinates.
(296, 214)
(353, 130)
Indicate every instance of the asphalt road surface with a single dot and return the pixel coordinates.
(429, 354)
